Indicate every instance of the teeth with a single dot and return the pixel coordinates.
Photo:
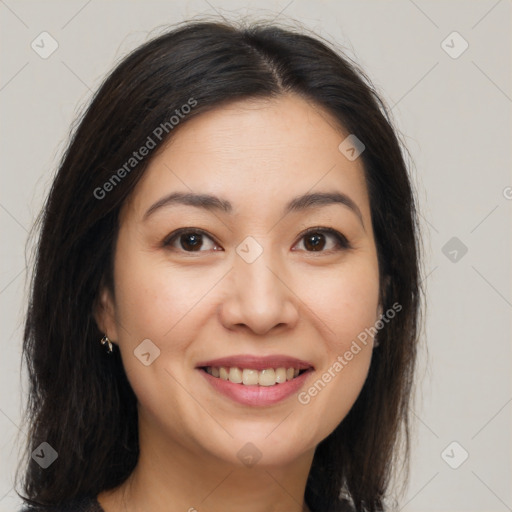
(280, 375)
(267, 377)
(249, 377)
(235, 375)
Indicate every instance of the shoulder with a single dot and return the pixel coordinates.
(83, 504)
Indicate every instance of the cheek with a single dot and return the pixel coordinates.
(353, 314)
(345, 300)
(154, 298)
(158, 302)
(154, 302)
(348, 308)
(348, 346)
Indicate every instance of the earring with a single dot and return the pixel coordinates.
(106, 341)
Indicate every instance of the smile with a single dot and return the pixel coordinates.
(252, 377)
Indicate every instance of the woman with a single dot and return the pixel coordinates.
(225, 303)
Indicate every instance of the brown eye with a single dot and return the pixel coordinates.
(189, 240)
(316, 240)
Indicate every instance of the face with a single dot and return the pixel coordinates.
(255, 275)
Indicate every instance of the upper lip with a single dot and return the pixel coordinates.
(257, 362)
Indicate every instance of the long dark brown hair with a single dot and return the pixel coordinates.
(80, 401)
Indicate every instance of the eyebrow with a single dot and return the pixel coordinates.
(214, 203)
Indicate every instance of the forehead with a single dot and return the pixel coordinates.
(257, 152)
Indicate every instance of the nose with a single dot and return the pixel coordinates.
(258, 297)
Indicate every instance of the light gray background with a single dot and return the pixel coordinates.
(455, 118)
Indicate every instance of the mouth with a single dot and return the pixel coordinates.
(266, 377)
(256, 382)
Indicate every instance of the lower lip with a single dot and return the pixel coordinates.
(256, 395)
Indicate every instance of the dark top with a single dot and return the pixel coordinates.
(86, 504)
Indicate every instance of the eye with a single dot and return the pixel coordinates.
(314, 240)
(189, 240)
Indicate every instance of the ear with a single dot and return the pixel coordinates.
(104, 313)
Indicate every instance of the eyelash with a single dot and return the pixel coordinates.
(341, 240)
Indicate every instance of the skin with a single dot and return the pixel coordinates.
(209, 303)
